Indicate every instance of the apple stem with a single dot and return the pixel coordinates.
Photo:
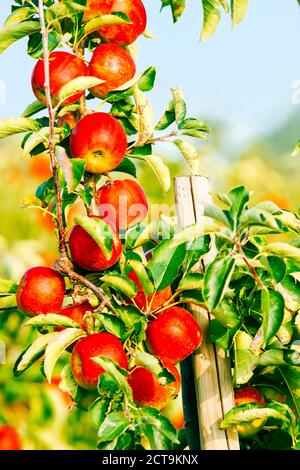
(63, 264)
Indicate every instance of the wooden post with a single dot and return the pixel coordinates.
(212, 373)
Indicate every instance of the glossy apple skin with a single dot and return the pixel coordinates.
(64, 67)
(113, 64)
(147, 391)
(174, 412)
(76, 312)
(9, 438)
(41, 290)
(100, 140)
(86, 372)
(87, 254)
(124, 202)
(151, 302)
(121, 34)
(174, 334)
(249, 395)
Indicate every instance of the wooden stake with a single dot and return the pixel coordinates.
(212, 374)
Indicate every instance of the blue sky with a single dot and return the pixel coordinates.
(243, 76)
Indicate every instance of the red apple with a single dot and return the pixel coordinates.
(64, 67)
(174, 334)
(85, 371)
(100, 140)
(41, 290)
(148, 391)
(249, 395)
(151, 302)
(124, 33)
(124, 202)
(87, 254)
(9, 438)
(68, 118)
(113, 64)
(76, 312)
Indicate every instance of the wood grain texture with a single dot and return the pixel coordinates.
(212, 374)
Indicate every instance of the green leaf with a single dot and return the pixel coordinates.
(283, 250)
(165, 262)
(18, 15)
(193, 124)
(121, 284)
(249, 412)
(271, 357)
(52, 319)
(216, 281)
(167, 118)
(276, 267)
(216, 213)
(138, 267)
(146, 82)
(31, 354)
(8, 287)
(192, 297)
(239, 198)
(244, 360)
(77, 85)
(145, 117)
(126, 166)
(19, 125)
(195, 250)
(104, 20)
(179, 104)
(211, 18)
(190, 281)
(58, 344)
(291, 376)
(14, 32)
(220, 335)
(99, 231)
(114, 425)
(68, 383)
(291, 292)
(59, 11)
(255, 217)
(35, 46)
(130, 315)
(227, 314)
(161, 171)
(118, 374)
(272, 307)
(177, 7)
(33, 108)
(158, 430)
(111, 323)
(190, 154)
(238, 11)
(153, 364)
(98, 410)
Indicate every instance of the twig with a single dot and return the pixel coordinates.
(53, 159)
(249, 265)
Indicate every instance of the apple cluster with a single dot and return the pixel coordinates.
(172, 333)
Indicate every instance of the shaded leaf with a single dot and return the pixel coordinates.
(216, 281)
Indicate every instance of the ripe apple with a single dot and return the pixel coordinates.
(87, 254)
(99, 139)
(124, 33)
(41, 290)
(85, 371)
(174, 334)
(76, 312)
(249, 395)
(113, 64)
(124, 202)
(9, 438)
(150, 302)
(68, 118)
(148, 391)
(174, 412)
(40, 167)
(64, 67)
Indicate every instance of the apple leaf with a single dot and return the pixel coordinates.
(52, 319)
(75, 86)
(158, 429)
(258, 217)
(104, 20)
(272, 308)
(113, 426)
(19, 15)
(276, 267)
(32, 353)
(249, 412)
(98, 410)
(192, 297)
(245, 360)
(214, 212)
(238, 11)
(121, 284)
(33, 108)
(165, 262)
(19, 125)
(99, 231)
(167, 118)
(7, 287)
(191, 281)
(141, 272)
(118, 374)
(57, 345)
(179, 103)
(146, 81)
(283, 250)
(145, 117)
(161, 171)
(13, 32)
(216, 281)
(271, 357)
(239, 198)
(126, 166)
(153, 364)
(190, 154)
(220, 334)
(291, 376)
(227, 314)
(59, 11)
(111, 323)
(211, 18)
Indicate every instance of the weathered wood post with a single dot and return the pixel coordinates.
(211, 368)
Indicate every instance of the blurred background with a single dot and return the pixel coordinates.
(244, 83)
